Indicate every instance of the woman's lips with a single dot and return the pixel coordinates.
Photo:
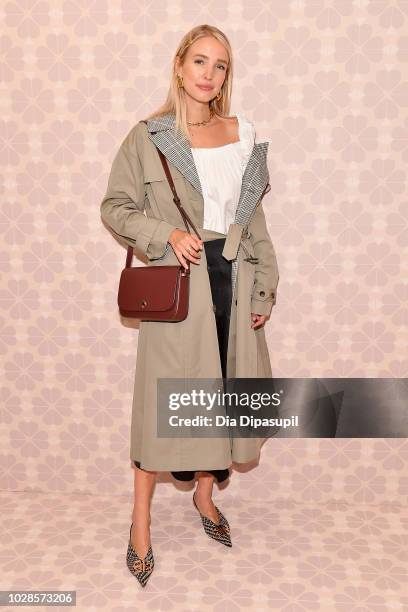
(204, 88)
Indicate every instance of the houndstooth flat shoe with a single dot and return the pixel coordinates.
(140, 568)
(220, 532)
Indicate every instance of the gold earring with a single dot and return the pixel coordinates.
(180, 81)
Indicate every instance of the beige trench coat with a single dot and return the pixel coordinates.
(138, 207)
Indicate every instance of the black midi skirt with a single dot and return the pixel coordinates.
(219, 273)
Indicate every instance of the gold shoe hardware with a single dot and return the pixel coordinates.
(143, 565)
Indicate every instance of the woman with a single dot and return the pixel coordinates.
(220, 175)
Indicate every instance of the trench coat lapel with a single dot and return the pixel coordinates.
(177, 150)
(174, 147)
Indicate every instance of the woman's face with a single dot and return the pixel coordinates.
(205, 64)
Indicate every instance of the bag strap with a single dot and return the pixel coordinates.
(176, 200)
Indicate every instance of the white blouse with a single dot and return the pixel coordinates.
(220, 170)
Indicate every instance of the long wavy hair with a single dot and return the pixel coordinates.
(175, 102)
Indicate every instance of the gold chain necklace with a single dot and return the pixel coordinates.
(203, 122)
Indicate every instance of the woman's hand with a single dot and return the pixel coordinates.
(186, 246)
(258, 320)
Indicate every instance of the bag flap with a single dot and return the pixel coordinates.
(155, 287)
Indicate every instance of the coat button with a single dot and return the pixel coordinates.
(262, 293)
(208, 267)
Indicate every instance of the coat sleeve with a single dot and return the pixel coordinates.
(123, 205)
(266, 270)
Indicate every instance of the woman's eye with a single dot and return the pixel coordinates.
(197, 61)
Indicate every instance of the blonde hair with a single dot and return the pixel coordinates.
(175, 101)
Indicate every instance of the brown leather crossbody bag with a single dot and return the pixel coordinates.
(156, 293)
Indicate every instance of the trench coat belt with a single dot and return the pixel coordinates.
(235, 234)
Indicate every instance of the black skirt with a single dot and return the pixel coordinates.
(219, 272)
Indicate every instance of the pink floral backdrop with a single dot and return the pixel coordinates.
(326, 84)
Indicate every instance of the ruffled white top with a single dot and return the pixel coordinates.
(220, 170)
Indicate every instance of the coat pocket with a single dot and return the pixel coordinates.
(160, 196)
(156, 174)
(156, 180)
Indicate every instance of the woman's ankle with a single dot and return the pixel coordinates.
(141, 515)
(203, 496)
